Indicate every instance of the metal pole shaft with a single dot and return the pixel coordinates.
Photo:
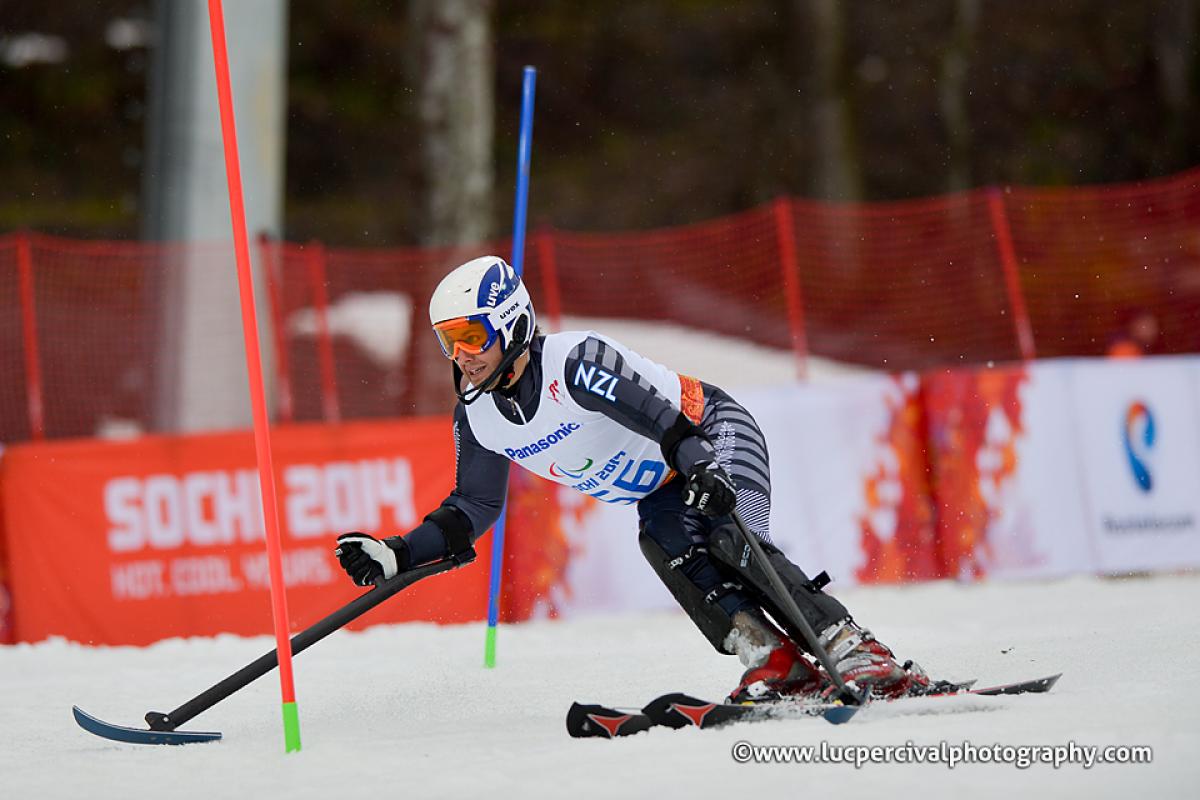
(306, 638)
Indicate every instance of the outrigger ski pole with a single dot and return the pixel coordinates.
(162, 728)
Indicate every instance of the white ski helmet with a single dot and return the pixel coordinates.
(481, 302)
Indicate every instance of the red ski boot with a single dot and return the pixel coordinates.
(776, 667)
(862, 658)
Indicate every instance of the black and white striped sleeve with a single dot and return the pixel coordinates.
(600, 379)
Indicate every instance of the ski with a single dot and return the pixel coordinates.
(600, 721)
(119, 733)
(677, 710)
(682, 711)
(1036, 686)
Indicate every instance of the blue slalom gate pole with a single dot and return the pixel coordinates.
(524, 146)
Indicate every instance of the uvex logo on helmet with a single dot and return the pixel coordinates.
(512, 308)
(497, 284)
(494, 293)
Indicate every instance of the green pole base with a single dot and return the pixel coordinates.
(291, 727)
(489, 648)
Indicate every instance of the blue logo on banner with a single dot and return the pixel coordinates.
(1139, 437)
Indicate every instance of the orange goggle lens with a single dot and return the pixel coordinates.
(469, 335)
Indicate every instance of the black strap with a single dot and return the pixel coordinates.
(724, 589)
(681, 429)
(697, 551)
(820, 581)
(691, 554)
(456, 527)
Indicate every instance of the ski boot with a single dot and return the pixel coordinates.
(871, 665)
(776, 669)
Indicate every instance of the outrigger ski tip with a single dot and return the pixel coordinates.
(119, 733)
(162, 726)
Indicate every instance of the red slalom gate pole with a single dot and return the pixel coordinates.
(33, 361)
(262, 434)
(789, 265)
(1012, 273)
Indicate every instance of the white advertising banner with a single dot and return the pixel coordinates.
(825, 441)
(607, 571)
(1061, 467)
(1138, 439)
(1036, 526)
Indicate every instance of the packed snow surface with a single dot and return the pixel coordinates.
(727, 361)
(408, 710)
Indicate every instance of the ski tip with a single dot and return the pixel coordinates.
(1047, 683)
(677, 710)
(595, 721)
(1035, 686)
(119, 733)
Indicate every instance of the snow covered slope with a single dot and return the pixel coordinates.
(407, 711)
(727, 361)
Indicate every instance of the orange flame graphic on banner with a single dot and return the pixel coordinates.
(537, 550)
(897, 529)
(974, 419)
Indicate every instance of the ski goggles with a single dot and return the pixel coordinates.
(471, 335)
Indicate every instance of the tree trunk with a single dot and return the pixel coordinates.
(836, 175)
(1175, 41)
(952, 93)
(455, 70)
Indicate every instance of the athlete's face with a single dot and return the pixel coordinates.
(478, 368)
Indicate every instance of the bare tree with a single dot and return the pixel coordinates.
(836, 173)
(1175, 41)
(952, 93)
(455, 67)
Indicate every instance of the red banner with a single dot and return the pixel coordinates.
(128, 543)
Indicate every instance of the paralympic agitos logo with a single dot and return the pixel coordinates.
(574, 473)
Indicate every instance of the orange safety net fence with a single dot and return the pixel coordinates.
(975, 277)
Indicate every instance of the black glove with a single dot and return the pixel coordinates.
(709, 489)
(367, 559)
